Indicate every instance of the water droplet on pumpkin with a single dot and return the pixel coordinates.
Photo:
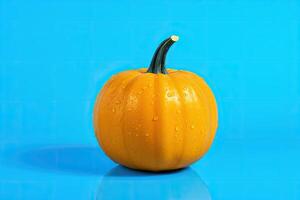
(169, 94)
(136, 134)
(185, 94)
(176, 128)
(147, 134)
(192, 126)
(155, 118)
(113, 110)
(123, 87)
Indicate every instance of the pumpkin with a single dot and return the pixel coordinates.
(155, 119)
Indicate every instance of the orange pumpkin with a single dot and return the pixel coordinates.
(155, 119)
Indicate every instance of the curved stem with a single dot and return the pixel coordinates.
(159, 58)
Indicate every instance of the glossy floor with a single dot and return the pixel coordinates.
(260, 170)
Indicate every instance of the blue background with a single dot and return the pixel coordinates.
(55, 55)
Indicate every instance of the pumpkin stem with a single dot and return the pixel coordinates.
(159, 58)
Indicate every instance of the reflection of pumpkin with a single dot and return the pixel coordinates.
(155, 119)
(122, 183)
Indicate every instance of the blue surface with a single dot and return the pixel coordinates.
(55, 55)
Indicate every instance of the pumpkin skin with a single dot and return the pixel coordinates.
(155, 121)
